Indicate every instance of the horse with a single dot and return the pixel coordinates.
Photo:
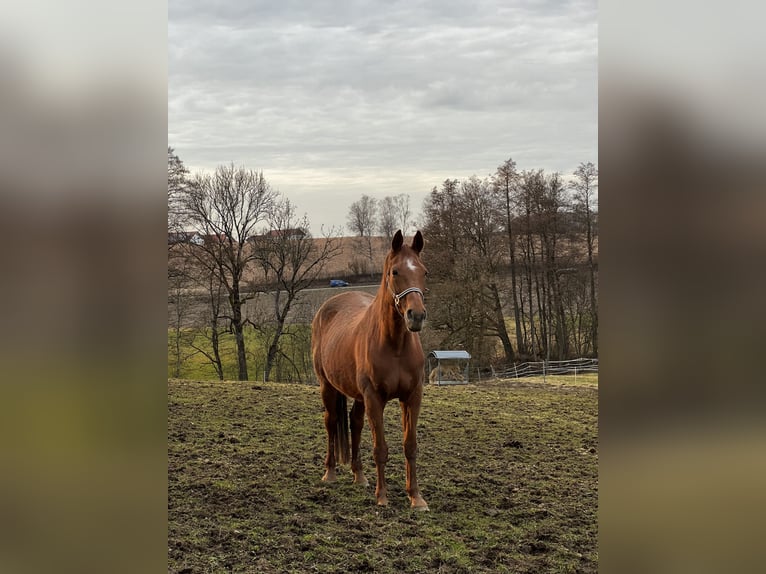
(368, 349)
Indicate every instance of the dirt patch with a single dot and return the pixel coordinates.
(510, 474)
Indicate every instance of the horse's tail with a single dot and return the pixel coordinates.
(342, 444)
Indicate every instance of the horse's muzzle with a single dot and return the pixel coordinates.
(414, 320)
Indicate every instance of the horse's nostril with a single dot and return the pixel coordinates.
(409, 313)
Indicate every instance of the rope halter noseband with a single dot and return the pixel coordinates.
(401, 295)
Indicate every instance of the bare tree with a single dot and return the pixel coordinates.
(207, 339)
(585, 188)
(505, 181)
(403, 213)
(180, 305)
(178, 184)
(179, 280)
(531, 186)
(225, 209)
(362, 221)
(481, 217)
(551, 205)
(292, 260)
(440, 216)
(388, 217)
(362, 216)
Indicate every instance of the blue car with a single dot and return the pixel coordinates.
(338, 283)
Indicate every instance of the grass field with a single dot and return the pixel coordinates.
(509, 470)
(295, 343)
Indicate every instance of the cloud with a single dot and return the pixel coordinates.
(413, 90)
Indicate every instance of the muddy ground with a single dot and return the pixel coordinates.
(509, 472)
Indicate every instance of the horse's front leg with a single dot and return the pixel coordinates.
(410, 412)
(374, 405)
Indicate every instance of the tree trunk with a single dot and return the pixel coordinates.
(271, 356)
(281, 318)
(557, 310)
(502, 332)
(180, 307)
(593, 305)
(512, 252)
(214, 338)
(563, 332)
(557, 306)
(542, 310)
(239, 334)
(177, 367)
(516, 307)
(530, 273)
(525, 335)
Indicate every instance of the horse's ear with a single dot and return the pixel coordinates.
(398, 241)
(417, 242)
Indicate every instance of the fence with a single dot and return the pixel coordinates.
(542, 368)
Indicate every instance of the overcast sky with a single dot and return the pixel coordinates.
(335, 99)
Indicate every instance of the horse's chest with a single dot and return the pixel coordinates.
(388, 373)
(394, 375)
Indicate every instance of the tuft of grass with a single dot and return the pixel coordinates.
(509, 469)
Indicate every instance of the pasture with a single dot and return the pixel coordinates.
(509, 470)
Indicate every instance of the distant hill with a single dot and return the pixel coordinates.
(353, 261)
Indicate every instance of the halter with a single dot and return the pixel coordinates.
(401, 295)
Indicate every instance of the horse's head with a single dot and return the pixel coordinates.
(405, 276)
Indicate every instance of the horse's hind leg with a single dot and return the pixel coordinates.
(357, 423)
(329, 399)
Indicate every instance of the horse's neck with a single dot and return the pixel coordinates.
(390, 323)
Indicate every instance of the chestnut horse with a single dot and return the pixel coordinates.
(368, 348)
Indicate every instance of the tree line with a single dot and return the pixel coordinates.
(513, 260)
(514, 264)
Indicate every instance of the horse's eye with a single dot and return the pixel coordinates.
(394, 272)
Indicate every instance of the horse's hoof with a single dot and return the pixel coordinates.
(329, 477)
(362, 481)
(420, 505)
(382, 502)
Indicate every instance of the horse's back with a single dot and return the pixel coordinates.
(344, 307)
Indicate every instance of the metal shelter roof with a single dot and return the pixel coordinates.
(449, 355)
